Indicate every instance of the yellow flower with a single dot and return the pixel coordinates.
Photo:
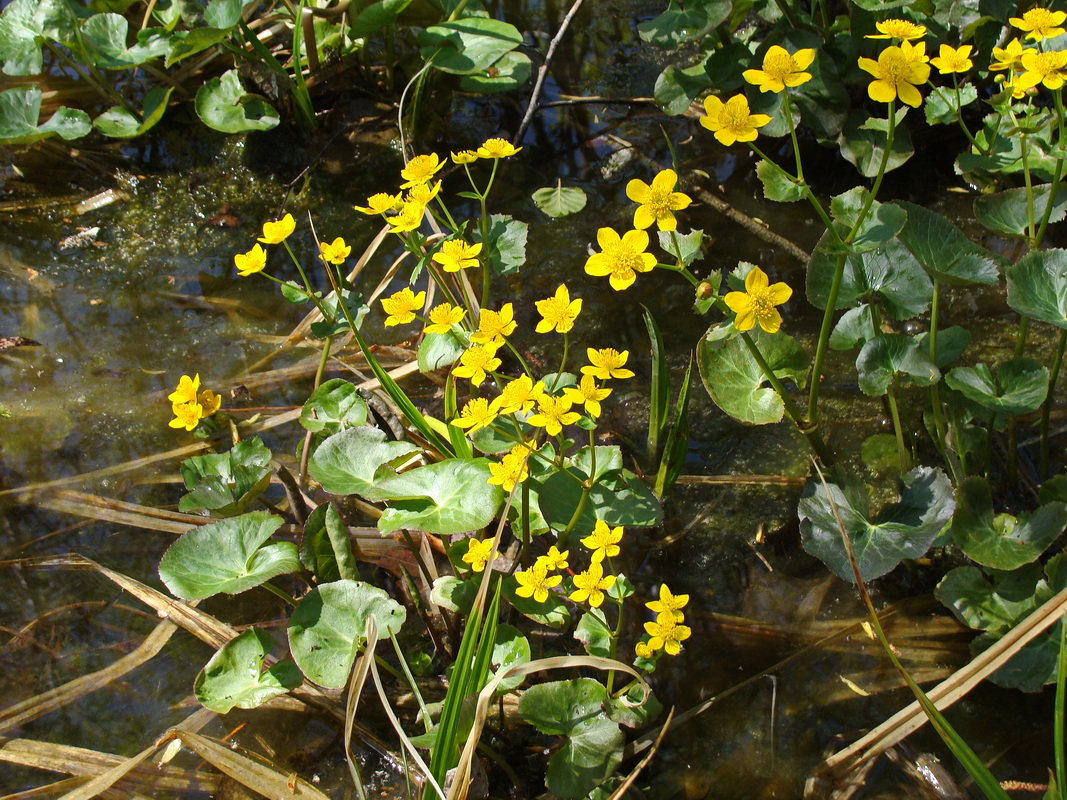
(186, 391)
(465, 157)
(497, 148)
(897, 71)
(443, 317)
(558, 312)
(209, 402)
(667, 635)
(420, 169)
(669, 603)
(897, 29)
(535, 582)
(607, 363)
(1011, 84)
(757, 303)
(732, 121)
(587, 394)
(603, 541)
(477, 413)
(591, 585)
(1040, 23)
(186, 415)
(476, 361)
(1043, 68)
(401, 307)
(511, 470)
(409, 218)
(479, 554)
(494, 326)
(1010, 57)
(456, 254)
(252, 261)
(380, 203)
(642, 650)
(621, 257)
(952, 60)
(335, 252)
(658, 202)
(780, 69)
(553, 413)
(554, 559)
(520, 395)
(422, 193)
(277, 232)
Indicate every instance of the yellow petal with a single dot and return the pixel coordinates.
(883, 92)
(778, 293)
(643, 218)
(638, 190)
(638, 240)
(770, 321)
(666, 180)
(738, 302)
(606, 237)
(803, 58)
(756, 280)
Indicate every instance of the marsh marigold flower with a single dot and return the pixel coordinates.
(669, 603)
(465, 157)
(476, 361)
(1010, 56)
(621, 257)
(553, 413)
(757, 303)
(401, 306)
(335, 252)
(667, 635)
(554, 559)
(187, 389)
(535, 582)
(476, 414)
(587, 394)
(1042, 68)
(422, 193)
(495, 326)
(732, 121)
(951, 59)
(658, 202)
(251, 262)
(456, 254)
(497, 148)
(897, 29)
(186, 415)
(603, 541)
(780, 69)
(210, 402)
(443, 317)
(1040, 23)
(380, 203)
(520, 395)
(512, 468)
(409, 218)
(591, 585)
(558, 312)
(607, 363)
(278, 231)
(420, 169)
(479, 553)
(897, 72)
(642, 650)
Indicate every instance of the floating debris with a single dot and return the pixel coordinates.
(84, 238)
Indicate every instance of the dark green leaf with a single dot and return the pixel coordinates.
(881, 223)
(1007, 212)
(951, 342)
(325, 548)
(863, 147)
(1020, 388)
(192, 42)
(508, 72)
(507, 243)
(223, 104)
(234, 677)
(619, 498)
(224, 14)
(332, 407)
(509, 649)
(684, 246)
(118, 123)
(778, 185)
(20, 110)
(376, 16)
(941, 107)
(1037, 286)
(889, 356)
(684, 23)
(468, 45)
(889, 273)
(226, 483)
(944, 251)
(676, 88)
(853, 329)
(594, 634)
(439, 350)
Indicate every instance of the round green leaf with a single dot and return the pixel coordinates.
(889, 356)
(334, 406)
(472, 44)
(682, 23)
(438, 350)
(862, 142)
(376, 16)
(881, 223)
(677, 88)
(778, 185)
(228, 556)
(507, 243)
(20, 109)
(329, 626)
(448, 497)
(1008, 213)
(594, 634)
(854, 329)
(553, 613)
(889, 273)
(559, 200)
(234, 677)
(349, 462)
(509, 649)
(119, 123)
(944, 251)
(226, 483)
(1020, 388)
(941, 106)
(105, 35)
(902, 530)
(1001, 541)
(1037, 286)
(618, 498)
(223, 104)
(509, 72)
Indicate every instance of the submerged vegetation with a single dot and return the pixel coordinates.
(504, 504)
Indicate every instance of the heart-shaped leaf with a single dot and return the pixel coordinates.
(618, 498)
(468, 45)
(890, 274)
(944, 251)
(104, 38)
(235, 678)
(332, 407)
(891, 356)
(119, 123)
(559, 200)
(351, 461)
(223, 104)
(226, 483)
(881, 223)
(508, 72)
(1037, 286)
(1008, 212)
(863, 140)
(1020, 387)
(20, 110)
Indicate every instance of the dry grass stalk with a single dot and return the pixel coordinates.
(82, 504)
(59, 788)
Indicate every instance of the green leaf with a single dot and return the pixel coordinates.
(941, 107)
(509, 649)
(455, 594)
(224, 14)
(439, 350)
(593, 747)
(823, 101)
(879, 452)
(685, 246)
(448, 497)
(1002, 541)
(863, 146)
(329, 624)
(735, 381)
(889, 356)
(23, 24)
(104, 37)
(20, 109)
(944, 252)
(376, 16)
(118, 123)
(890, 274)
(333, 407)
(905, 529)
(325, 548)
(508, 72)
(223, 104)
(853, 329)
(1020, 388)
(192, 42)
(229, 556)
(1037, 286)
(676, 88)
(235, 678)
(619, 498)
(553, 613)
(635, 709)
(468, 45)
(951, 342)
(778, 185)
(682, 23)
(594, 634)
(882, 222)
(507, 243)
(559, 201)
(226, 483)
(351, 461)
(1007, 212)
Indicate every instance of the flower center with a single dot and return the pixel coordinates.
(779, 65)
(659, 201)
(762, 304)
(623, 259)
(735, 117)
(894, 66)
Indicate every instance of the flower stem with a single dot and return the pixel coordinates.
(1046, 407)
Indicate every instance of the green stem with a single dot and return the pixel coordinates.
(681, 270)
(1057, 174)
(959, 115)
(322, 361)
(935, 392)
(615, 635)
(563, 537)
(898, 431)
(426, 719)
(288, 598)
(787, 106)
(307, 284)
(1046, 407)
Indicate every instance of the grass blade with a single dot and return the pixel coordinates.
(659, 403)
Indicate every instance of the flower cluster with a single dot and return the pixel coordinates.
(190, 405)
(667, 633)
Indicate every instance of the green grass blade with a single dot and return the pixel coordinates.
(659, 403)
(676, 445)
